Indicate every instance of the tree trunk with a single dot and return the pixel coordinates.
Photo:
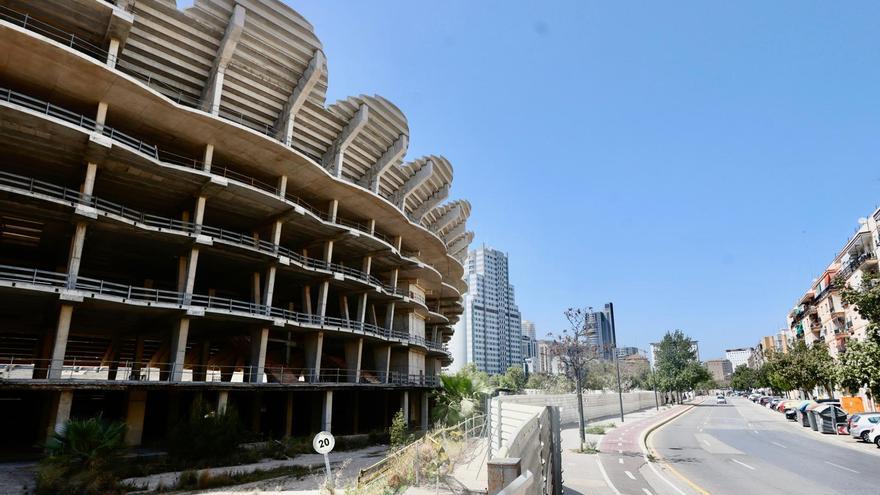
(581, 424)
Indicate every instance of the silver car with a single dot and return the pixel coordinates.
(860, 424)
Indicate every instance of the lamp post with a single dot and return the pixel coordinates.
(654, 385)
(619, 388)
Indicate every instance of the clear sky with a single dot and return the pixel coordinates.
(697, 163)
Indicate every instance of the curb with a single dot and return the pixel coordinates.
(648, 450)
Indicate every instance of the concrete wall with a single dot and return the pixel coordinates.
(596, 405)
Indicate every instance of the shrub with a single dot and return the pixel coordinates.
(399, 430)
(205, 435)
(595, 430)
(81, 458)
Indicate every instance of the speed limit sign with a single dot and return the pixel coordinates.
(323, 442)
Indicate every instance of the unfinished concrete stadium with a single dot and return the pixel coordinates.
(182, 216)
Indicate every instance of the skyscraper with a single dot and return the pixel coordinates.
(490, 330)
(603, 336)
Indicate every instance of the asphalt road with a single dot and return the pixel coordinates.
(742, 448)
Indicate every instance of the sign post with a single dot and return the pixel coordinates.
(323, 443)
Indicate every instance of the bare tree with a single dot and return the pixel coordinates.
(575, 351)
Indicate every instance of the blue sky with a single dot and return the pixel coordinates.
(696, 163)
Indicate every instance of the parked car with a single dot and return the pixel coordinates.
(874, 436)
(764, 400)
(860, 424)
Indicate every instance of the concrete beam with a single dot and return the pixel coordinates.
(298, 96)
(430, 203)
(210, 101)
(456, 232)
(392, 155)
(447, 219)
(413, 183)
(332, 159)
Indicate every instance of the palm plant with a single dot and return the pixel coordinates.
(82, 458)
(460, 397)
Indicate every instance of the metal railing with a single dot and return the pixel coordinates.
(95, 368)
(71, 40)
(36, 277)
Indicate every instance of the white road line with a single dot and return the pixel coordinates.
(619, 451)
(647, 492)
(838, 466)
(779, 445)
(756, 432)
(701, 429)
(620, 460)
(743, 464)
(630, 475)
(705, 441)
(620, 444)
(605, 476)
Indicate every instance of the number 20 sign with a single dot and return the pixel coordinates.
(323, 442)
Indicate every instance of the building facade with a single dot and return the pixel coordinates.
(820, 315)
(720, 369)
(184, 215)
(545, 361)
(491, 327)
(738, 357)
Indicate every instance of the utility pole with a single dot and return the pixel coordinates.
(654, 383)
(619, 388)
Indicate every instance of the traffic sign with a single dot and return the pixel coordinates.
(323, 442)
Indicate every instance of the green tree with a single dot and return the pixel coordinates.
(82, 458)
(399, 430)
(677, 368)
(514, 379)
(866, 298)
(859, 365)
(744, 378)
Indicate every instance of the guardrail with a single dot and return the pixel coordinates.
(152, 151)
(31, 185)
(37, 277)
(94, 368)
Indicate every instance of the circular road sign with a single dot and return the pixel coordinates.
(323, 442)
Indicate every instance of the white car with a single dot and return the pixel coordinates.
(860, 424)
(874, 436)
(720, 400)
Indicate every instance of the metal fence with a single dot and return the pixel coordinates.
(125, 293)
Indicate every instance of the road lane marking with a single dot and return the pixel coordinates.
(779, 445)
(647, 492)
(755, 432)
(630, 475)
(605, 476)
(701, 429)
(705, 441)
(841, 467)
(620, 460)
(619, 451)
(743, 464)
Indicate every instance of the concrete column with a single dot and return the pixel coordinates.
(362, 308)
(200, 373)
(424, 411)
(332, 210)
(353, 353)
(134, 417)
(323, 291)
(371, 225)
(62, 412)
(101, 116)
(404, 405)
(394, 276)
(276, 233)
(222, 400)
(288, 415)
(343, 306)
(307, 299)
(256, 288)
(59, 348)
(314, 346)
(88, 185)
(328, 251)
(75, 259)
(208, 157)
(192, 263)
(389, 316)
(269, 286)
(112, 52)
(382, 358)
(111, 358)
(398, 243)
(282, 186)
(199, 217)
(327, 412)
(178, 349)
(259, 341)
